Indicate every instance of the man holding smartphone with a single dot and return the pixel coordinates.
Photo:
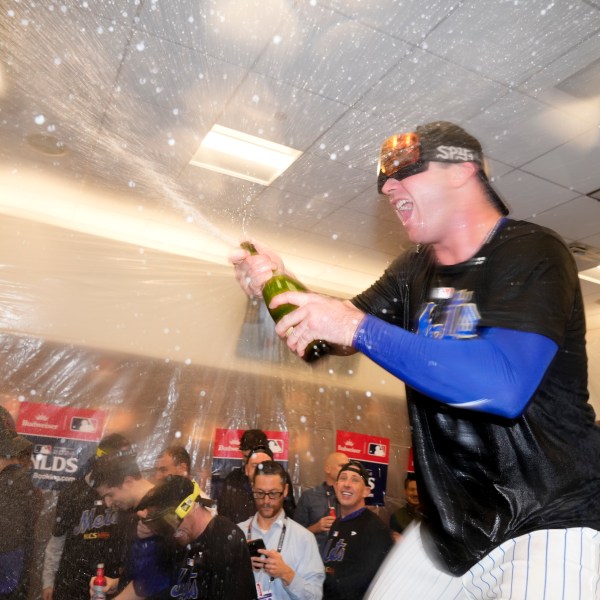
(289, 566)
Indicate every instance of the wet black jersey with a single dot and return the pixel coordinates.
(483, 479)
(215, 567)
(93, 534)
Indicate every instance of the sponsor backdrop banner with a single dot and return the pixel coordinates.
(374, 453)
(64, 439)
(227, 455)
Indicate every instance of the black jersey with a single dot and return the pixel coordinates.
(93, 534)
(236, 501)
(20, 507)
(215, 567)
(356, 547)
(482, 479)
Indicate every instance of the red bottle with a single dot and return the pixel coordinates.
(99, 583)
(332, 512)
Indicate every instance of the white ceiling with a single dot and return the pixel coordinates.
(132, 86)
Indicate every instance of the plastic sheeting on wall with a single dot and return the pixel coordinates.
(170, 349)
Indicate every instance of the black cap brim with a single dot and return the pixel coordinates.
(492, 194)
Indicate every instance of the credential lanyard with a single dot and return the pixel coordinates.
(281, 536)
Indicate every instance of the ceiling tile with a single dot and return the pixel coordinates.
(527, 195)
(316, 178)
(233, 31)
(423, 87)
(517, 129)
(354, 140)
(345, 57)
(406, 20)
(543, 84)
(279, 112)
(575, 220)
(573, 165)
(514, 40)
(374, 204)
(286, 209)
(168, 74)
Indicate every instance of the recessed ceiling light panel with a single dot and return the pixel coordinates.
(245, 156)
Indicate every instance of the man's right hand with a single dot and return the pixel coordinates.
(111, 587)
(253, 271)
(47, 593)
(324, 524)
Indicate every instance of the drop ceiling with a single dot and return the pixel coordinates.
(122, 92)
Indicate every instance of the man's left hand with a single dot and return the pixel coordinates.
(317, 317)
(275, 566)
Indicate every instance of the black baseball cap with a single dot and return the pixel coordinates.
(356, 467)
(253, 438)
(262, 449)
(406, 154)
(112, 443)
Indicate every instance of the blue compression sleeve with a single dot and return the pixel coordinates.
(495, 373)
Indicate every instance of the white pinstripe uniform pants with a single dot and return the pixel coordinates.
(551, 564)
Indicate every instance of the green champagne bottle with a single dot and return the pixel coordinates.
(278, 284)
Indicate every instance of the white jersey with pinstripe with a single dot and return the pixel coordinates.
(555, 564)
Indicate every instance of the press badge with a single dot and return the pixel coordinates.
(263, 596)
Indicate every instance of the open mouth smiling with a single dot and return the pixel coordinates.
(403, 209)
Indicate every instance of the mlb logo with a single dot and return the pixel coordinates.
(276, 446)
(43, 449)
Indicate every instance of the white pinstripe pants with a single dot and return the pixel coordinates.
(551, 564)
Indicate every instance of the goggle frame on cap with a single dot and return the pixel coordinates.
(165, 522)
(400, 157)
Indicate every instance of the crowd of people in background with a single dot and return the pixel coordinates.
(161, 536)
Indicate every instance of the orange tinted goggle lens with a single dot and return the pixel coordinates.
(397, 152)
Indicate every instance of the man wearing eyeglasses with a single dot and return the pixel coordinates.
(289, 566)
(483, 319)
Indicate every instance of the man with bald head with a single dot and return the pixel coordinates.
(314, 509)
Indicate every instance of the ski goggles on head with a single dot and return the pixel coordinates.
(166, 521)
(400, 156)
(163, 522)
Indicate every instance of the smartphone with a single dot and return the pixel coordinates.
(255, 545)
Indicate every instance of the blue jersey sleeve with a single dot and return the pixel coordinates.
(150, 569)
(495, 373)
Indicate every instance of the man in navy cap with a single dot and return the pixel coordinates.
(358, 541)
